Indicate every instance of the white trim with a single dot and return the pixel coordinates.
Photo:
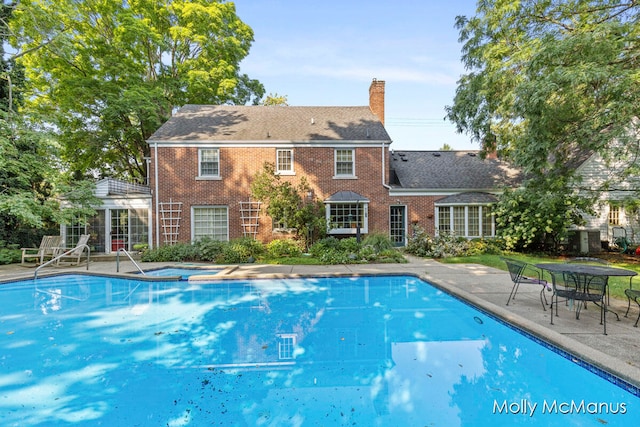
(157, 196)
(270, 144)
(365, 217)
(285, 172)
(421, 192)
(212, 176)
(193, 207)
(352, 175)
(466, 207)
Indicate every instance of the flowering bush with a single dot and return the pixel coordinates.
(447, 245)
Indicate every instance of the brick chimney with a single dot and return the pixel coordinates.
(376, 98)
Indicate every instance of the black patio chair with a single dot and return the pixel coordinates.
(589, 288)
(522, 272)
(633, 295)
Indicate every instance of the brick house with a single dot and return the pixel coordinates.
(204, 157)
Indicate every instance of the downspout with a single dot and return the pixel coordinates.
(388, 187)
(155, 174)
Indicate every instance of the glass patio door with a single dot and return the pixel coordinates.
(119, 229)
(397, 225)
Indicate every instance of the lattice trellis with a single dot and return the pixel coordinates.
(250, 218)
(170, 214)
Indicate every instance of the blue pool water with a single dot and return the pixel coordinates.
(79, 350)
(183, 272)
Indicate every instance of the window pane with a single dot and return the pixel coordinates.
(209, 162)
(444, 219)
(474, 221)
(614, 215)
(347, 215)
(487, 221)
(286, 345)
(344, 162)
(210, 222)
(73, 234)
(284, 160)
(139, 226)
(458, 220)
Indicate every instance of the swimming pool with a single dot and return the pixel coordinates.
(183, 272)
(370, 351)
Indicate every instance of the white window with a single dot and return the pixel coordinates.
(286, 346)
(466, 221)
(345, 163)
(209, 163)
(614, 214)
(444, 220)
(348, 218)
(284, 161)
(210, 221)
(473, 223)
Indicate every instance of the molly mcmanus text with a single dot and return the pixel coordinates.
(528, 407)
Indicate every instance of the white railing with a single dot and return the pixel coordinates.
(130, 257)
(57, 257)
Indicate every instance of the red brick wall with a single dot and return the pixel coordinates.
(178, 171)
(376, 98)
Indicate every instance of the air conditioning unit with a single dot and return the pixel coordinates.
(584, 241)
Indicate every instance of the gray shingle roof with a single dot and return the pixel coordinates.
(199, 123)
(438, 170)
(468, 199)
(346, 196)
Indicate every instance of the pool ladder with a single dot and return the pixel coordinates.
(56, 258)
(130, 257)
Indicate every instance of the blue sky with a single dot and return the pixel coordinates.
(327, 52)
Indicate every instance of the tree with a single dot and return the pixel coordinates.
(289, 205)
(25, 155)
(446, 147)
(275, 99)
(549, 82)
(111, 72)
(550, 79)
(30, 175)
(537, 219)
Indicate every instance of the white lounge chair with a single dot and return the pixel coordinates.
(76, 252)
(48, 249)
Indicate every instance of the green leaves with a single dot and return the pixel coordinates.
(548, 79)
(109, 73)
(288, 205)
(548, 84)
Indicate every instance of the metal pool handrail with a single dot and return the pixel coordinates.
(35, 273)
(130, 257)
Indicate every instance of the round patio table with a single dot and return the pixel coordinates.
(587, 271)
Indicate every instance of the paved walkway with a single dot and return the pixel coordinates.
(617, 352)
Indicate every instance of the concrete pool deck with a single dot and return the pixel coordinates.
(618, 352)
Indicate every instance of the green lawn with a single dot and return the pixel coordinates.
(617, 285)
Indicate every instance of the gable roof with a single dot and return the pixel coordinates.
(233, 123)
(451, 170)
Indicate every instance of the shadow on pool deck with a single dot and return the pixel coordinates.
(617, 352)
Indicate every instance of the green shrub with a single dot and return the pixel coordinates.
(379, 242)
(141, 247)
(241, 250)
(420, 242)
(336, 251)
(210, 249)
(280, 248)
(447, 245)
(323, 245)
(349, 245)
(172, 253)
(10, 256)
